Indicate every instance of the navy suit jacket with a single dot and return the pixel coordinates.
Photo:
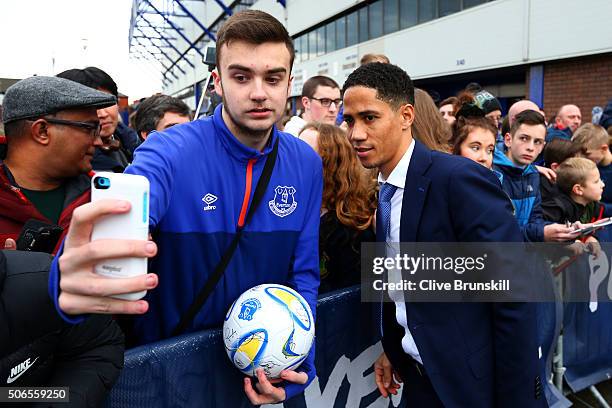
(475, 354)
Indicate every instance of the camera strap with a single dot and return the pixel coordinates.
(214, 278)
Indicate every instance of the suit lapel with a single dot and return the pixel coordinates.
(415, 192)
(379, 228)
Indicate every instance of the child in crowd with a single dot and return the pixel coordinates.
(556, 152)
(521, 180)
(593, 142)
(580, 190)
(347, 209)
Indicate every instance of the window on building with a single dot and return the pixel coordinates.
(330, 37)
(321, 41)
(390, 16)
(447, 7)
(363, 25)
(472, 3)
(375, 11)
(341, 32)
(302, 44)
(352, 29)
(427, 10)
(408, 13)
(374, 20)
(312, 44)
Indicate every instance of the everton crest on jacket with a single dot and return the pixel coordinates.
(202, 183)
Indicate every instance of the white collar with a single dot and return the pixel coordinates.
(397, 177)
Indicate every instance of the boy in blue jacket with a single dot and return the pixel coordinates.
(203, 175)
(521, 180)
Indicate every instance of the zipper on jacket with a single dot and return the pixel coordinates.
(247, 193)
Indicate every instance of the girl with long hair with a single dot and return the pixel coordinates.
(347, 208)
(474, 135)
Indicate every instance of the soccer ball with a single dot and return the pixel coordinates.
(268, 326)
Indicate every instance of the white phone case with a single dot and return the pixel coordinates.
(132, 225)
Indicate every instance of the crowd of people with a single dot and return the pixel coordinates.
(364, 162)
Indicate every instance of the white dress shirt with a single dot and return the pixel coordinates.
(397, 178)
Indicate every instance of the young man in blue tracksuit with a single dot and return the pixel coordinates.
(521, 180)
(203, 175)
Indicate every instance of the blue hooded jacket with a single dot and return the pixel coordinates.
(523, 187)
(202, 183)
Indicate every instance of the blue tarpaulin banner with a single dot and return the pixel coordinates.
(193, 370)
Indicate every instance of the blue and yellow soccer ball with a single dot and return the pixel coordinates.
(269, 326)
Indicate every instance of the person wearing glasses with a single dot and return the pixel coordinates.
(321, 100)
(119, 141)
(52, 130)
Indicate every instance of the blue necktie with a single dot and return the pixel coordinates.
(384, 212)
(384, 207)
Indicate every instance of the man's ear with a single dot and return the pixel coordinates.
(144, 135)
(217, 82)
(306, 103)
(508, 140)
(407, 113)
(554, 166)
(604, 147)
(289, 86)
(39, 131)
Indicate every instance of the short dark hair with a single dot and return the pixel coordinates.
(451, 100)
(527, 117)
(14, 130)
(558, 150)
(505, 126)
(311, 85)
(152, 110)
(392, 84)
(253, 27)
(92, 77)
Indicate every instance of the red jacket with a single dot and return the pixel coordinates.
(16, 209)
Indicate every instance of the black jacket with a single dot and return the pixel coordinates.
(560, 208)
(37, 348)
(117, 160)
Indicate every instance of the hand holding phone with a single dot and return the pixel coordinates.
(133, 225)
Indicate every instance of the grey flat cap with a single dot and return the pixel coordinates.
(40, 95)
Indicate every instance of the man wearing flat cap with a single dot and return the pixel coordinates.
(52, 130)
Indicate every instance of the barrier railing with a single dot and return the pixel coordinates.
(193, 370)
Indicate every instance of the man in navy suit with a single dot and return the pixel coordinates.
(447, 354)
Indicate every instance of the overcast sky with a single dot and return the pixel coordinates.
(45, 37)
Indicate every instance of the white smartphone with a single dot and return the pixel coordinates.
(131, 225)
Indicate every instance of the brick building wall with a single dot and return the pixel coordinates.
(584, 81)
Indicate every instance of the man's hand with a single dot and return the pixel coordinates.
(550, 174)
(268, 393)
(385, 376)
(558, 233)
(84, 291)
